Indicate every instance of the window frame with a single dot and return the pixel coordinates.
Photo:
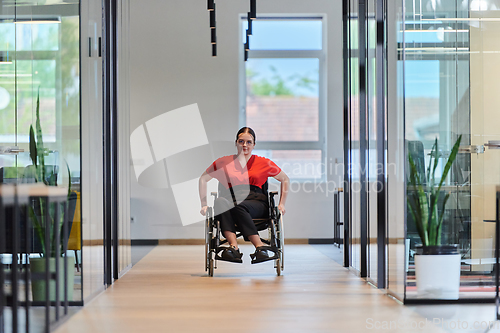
(321, 55)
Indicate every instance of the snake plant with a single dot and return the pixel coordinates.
(423, 201)
(37, 209)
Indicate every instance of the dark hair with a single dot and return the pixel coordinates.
(246, 130)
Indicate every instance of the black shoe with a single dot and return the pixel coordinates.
(230, 254)
(260, 255)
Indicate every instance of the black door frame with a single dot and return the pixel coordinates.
(381, 132)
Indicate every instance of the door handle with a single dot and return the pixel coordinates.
(493, 144)
(4, 150)
(471, 149)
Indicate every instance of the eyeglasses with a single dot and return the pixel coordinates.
(242, 142)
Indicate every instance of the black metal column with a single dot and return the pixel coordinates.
(14, 272)
(110, 142)
(107, 144)
(57, 256)
(2, 250)
(381, 140)
(114, 124)
(497, 253)
(362, 25)
(65, 251)
(27, 271)
(347, 122)
(46, 211)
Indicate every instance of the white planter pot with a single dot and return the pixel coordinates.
(438, 276)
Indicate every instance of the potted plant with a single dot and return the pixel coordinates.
(38, 216)
(437, 266)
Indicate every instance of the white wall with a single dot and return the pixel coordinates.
(171, 67)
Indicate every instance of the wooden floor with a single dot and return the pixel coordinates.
(169, 291)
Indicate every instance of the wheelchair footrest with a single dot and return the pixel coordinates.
(261, 254)
(235, 257)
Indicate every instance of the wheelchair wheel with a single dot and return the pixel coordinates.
(278, 267)
(280, 240)
(208, 238)
(211, 267)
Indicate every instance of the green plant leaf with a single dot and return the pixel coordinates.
(39, 140)
(433, 220)
(69, 178)
(451, 158)
(33, 150)
(435, 156)
(418, 201)
(428, 174)
(440, 222)
(40, 232)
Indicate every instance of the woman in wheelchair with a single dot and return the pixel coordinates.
(242, 176)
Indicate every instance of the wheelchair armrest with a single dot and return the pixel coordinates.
(214, 194)
(273, 193)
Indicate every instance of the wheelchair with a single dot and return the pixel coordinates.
(273, 223)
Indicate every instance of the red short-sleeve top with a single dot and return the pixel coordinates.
(228, 169)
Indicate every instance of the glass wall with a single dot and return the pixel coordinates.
(40, 122)
(450, 54)
(442, 59)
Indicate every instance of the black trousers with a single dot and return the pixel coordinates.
(240, 216)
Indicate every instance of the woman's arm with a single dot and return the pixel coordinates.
(285, 183)
(202, 188)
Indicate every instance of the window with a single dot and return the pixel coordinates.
(282, 95)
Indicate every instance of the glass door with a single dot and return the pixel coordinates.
(485, 136)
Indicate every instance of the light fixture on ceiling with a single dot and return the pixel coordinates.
(213, 33)
(253, 9)
(252, 14)
(249, 20)
(34, 20)
(212, 18)
(213, 38)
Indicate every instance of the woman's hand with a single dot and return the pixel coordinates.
(281, 208)
(285, 181)
(202, 188)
